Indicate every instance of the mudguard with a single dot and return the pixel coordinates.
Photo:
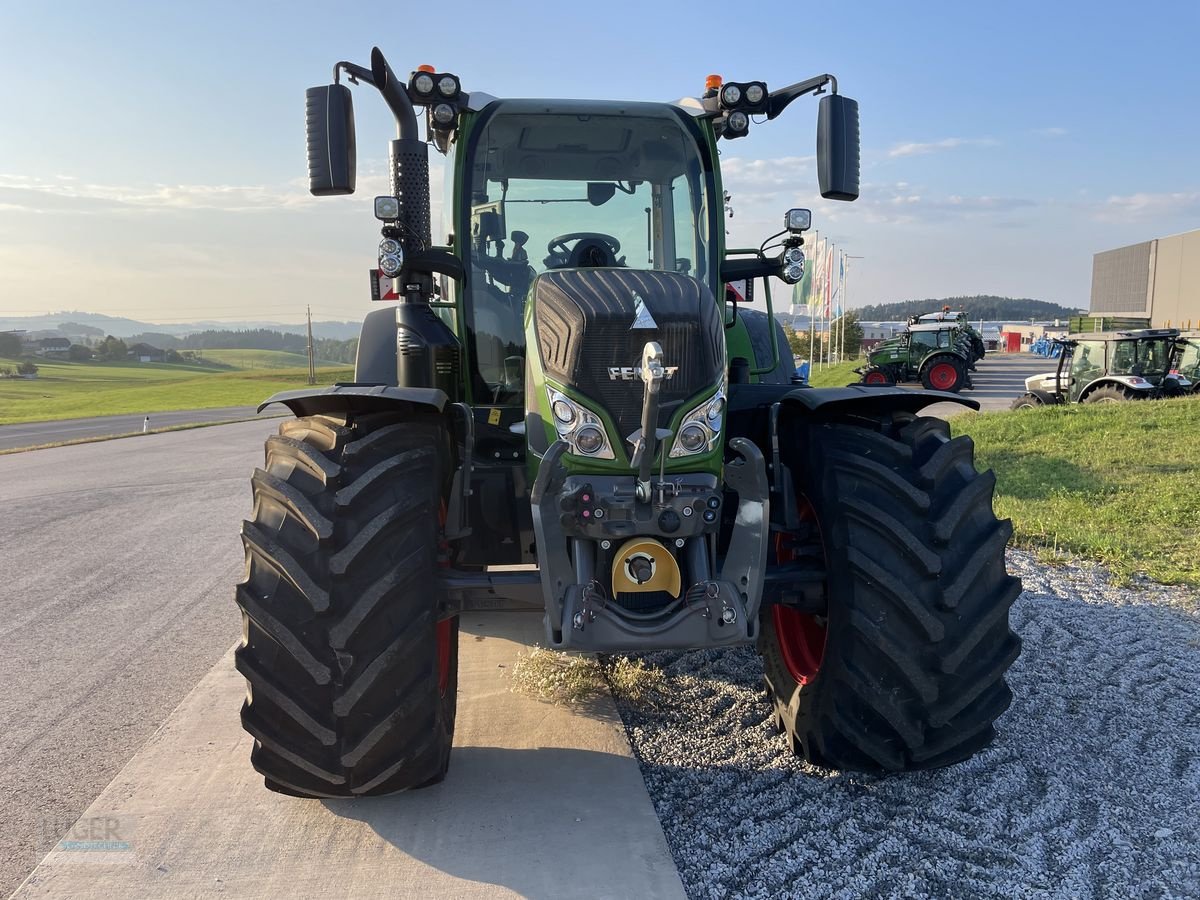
(749, 404)
(359, 398)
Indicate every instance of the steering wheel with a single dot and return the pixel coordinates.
(560, 253)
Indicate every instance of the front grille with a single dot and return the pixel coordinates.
(583, 319)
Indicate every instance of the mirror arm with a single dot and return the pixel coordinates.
(353, 72)
(777, 101)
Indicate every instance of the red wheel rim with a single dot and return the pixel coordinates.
(943, 376)
(801, 637)
(876, 378)
(445, 630)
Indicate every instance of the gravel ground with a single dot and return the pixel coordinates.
(1091, 790)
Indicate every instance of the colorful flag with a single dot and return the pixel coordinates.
(814, 285)
(827, 272)
(837, 291)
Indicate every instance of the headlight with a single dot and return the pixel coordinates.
(731, 95)
(563, 411)
(589, 439)
(387, 208)
(793, 255)
(738, 121)
(793, 272)
(389, 247)
(423, 83)
(693, 437)
(701, 427)
(443, 114)
(447, 85)
(579, 427)
(754, 94)
(391, 264)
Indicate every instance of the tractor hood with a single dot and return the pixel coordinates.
(592, 325)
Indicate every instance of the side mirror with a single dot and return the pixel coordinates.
(329, 121)
(600, 192)
(837, 147)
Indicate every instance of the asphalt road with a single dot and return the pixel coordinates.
(999, 379)
(116, 574)
(36, 434)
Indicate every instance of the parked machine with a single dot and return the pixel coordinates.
(937, 354)
(1112, 367)
(559, 386)
(977, 347)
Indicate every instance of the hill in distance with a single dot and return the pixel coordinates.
(981, 306)
(97, 324)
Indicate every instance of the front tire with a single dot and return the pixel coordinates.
(878, 375)
(1026, 401)
(905, 669)
(351, 675)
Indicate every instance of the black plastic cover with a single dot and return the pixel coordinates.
(329, 121)
(837, 147)
(584, 320)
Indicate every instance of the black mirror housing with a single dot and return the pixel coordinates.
(329, 122)
(837, 147)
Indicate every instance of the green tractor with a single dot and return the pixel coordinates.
(977, 349)
(1112, 367)
(938, 354)
(559, 413)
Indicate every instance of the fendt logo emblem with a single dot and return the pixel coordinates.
(642, 317)
(634, 373)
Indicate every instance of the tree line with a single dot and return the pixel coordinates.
(980, 306)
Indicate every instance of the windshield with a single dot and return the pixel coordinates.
(600, 187)
(1145, 357)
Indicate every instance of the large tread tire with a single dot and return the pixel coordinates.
(1026, 401)
(916, 635)
(936, 374)
(1108, 394)
(351, 677)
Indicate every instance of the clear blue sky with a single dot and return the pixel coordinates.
(152, 155)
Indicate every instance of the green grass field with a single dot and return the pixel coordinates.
(1113, 483)
(265, 359)
(837, 375)
(67, 390)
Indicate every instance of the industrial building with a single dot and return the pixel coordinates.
(1157, 279)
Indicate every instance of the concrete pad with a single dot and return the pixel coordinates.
(541, 801)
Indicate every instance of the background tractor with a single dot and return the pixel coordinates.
(1189, 359)
(1111, 367)
(937, 354)
(558, 413)
(977, 348)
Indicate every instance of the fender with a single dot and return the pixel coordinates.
(750, 404)
(359, 398)
(1049, 398)
(1130, 382)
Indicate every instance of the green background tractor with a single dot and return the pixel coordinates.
(937, 354)
(1111, 367)
(560, 414)
(977, 349)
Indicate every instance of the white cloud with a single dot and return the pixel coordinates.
(1150, 205)
(921, 149)
(1052, 132)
